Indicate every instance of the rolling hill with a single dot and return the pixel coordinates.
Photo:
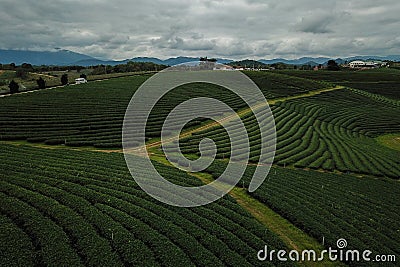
(64, 57)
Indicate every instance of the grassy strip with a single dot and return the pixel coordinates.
(390, 140)
(293, 237)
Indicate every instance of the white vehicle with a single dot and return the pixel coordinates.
(80, 80)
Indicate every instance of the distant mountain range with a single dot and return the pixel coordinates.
(65, 57)
(56, 57)
(61, 57)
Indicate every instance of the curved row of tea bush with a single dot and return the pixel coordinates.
(92, 114)
(84, 208)
(330, 131)
(331, 206)
(383, 82)
(280, 85)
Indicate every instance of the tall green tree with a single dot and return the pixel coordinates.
(27, 66)
(14, 87)
(41, 83)
(64, 79)
(332, 65)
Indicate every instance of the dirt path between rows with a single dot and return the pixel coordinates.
(155, 144)
(242, 113)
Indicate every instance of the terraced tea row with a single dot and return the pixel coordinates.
(330, 131)
(92, 114)
(83, 208)
(384, 82)
(357, 112)
(280, 85)
(330, 206)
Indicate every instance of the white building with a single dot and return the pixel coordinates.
(357, 64)
(80, 80)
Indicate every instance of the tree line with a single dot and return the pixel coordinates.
(24, 69)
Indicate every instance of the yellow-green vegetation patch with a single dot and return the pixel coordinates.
(390, 140)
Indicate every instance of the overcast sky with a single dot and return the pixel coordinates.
(237, 29)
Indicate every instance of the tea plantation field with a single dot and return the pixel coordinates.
(330, 131)
(92, 114)
(69, 208)
(384, 82)
(362, 211)
(62, 203)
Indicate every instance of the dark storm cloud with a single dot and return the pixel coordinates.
(223, 28)
(316, 23)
